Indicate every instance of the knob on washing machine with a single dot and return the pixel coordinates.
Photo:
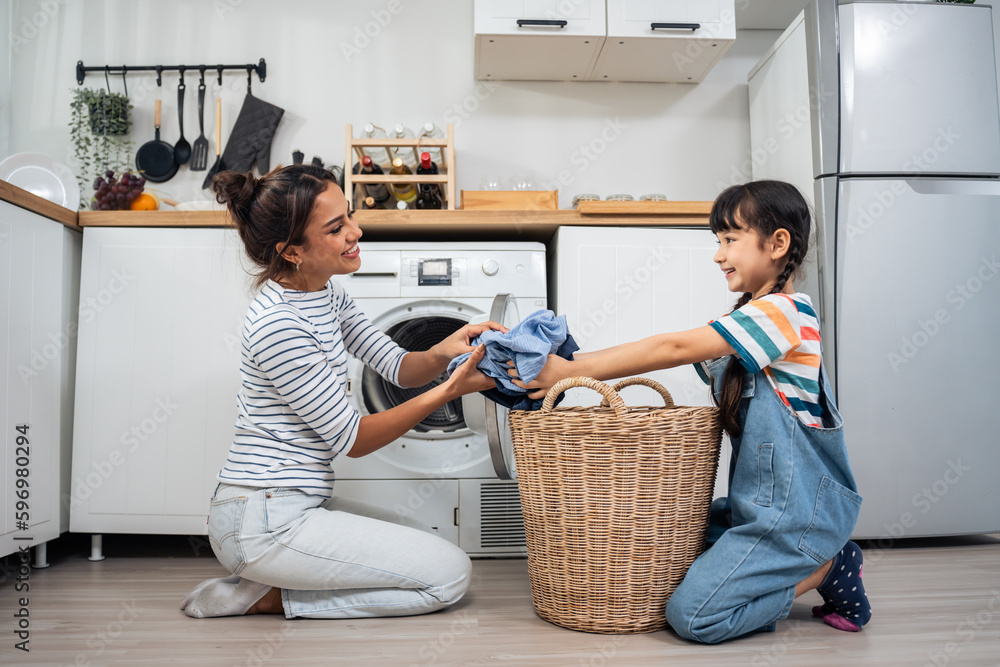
(490, 267)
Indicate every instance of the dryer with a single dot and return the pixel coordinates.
(441, 472)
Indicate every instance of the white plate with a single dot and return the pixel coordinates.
(44, 176)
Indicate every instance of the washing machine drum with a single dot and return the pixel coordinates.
(416, 335)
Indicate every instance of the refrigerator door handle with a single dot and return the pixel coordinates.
(954, 186)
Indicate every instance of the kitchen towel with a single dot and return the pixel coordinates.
(528, 344)
(250, 140)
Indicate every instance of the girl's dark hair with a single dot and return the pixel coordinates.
(765, 207)
(270, 210)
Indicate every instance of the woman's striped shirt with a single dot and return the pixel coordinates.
(779, 335)
(294, 416)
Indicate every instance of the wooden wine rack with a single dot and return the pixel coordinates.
(446, 177)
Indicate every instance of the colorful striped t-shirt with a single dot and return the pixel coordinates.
(294, 415)
(779, 335)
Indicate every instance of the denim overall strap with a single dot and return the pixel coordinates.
(793, 504)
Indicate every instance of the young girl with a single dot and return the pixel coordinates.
(275, 521)
(792, 501)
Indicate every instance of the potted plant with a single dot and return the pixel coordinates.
(100, 124)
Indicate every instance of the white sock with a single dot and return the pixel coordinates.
(229, 596)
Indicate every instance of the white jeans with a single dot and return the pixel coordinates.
(334, 558)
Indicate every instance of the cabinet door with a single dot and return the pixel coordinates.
(618, 285)
(538, 40)
(525, 17)
(676, 41)
(161, 313)
(34, 342)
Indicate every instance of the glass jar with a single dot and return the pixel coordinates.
(620, 198)
(653, 197)
(585, 197)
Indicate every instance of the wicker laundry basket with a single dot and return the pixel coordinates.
(615, 503)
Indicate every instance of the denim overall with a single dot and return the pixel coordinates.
(792, 505)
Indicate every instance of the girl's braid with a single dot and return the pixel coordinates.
(794, 258)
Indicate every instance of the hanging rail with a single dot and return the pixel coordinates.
(81, 71)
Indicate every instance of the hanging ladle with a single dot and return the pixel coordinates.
(182, 149)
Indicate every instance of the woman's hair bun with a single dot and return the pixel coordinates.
(235, 190)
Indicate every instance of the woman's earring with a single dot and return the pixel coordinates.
(297, 265)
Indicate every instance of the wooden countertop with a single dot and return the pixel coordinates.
(537, 225)
(533, 225)
(32, 202)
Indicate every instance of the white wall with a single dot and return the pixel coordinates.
(681, 140)
(6, 11)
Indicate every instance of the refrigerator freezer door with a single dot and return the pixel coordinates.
(918, 89)
(918, 375)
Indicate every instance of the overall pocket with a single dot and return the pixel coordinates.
(833, 519)
(225, 519)
(765, 475)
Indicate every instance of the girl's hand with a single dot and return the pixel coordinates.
(556, 368)
(460, 341)
(468, 379)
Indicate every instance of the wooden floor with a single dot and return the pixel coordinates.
(935, 603)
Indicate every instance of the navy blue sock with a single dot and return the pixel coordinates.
(846, 606)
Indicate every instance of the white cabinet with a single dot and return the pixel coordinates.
(157, 376)
(40, 260)
(539, 40)
(674, 41)
(618, 285)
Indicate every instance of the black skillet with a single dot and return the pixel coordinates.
(155, 159)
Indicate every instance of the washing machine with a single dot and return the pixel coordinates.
(453, 471)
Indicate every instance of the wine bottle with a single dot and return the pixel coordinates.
(408, 154)
(376, 191)
(383, 156)
(427, 166)
(429, 197)
(432, 131)
(404, 192)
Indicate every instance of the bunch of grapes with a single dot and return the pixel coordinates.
(116, 193)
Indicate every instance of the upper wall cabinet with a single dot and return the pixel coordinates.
(538, 40)
(670, 41)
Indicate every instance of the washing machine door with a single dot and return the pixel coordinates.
(483, 415)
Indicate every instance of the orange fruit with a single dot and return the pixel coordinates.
(145, 202)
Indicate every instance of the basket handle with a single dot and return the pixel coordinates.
(611, 396)
(668, 400)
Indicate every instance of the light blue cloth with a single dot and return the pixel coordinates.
(529, 344)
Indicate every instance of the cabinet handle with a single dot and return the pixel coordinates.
(675, 26)
(542, 22)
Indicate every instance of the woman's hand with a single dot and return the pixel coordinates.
(468, 379)
(419, 368)
(460, 341)
(556, 368)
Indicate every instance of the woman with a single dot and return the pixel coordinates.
(293, 546)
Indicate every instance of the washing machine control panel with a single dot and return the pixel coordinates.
(437, 271)
(434, 271)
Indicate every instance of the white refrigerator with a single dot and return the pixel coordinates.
(886, 115)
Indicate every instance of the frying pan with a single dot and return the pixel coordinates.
(155, 159)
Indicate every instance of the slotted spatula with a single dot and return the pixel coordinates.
(199, 152)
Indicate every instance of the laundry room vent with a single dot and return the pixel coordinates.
(503, 525)
(491, 523)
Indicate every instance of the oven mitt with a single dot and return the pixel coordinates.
(250, 139)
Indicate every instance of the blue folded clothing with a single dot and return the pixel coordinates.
(528, 344)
